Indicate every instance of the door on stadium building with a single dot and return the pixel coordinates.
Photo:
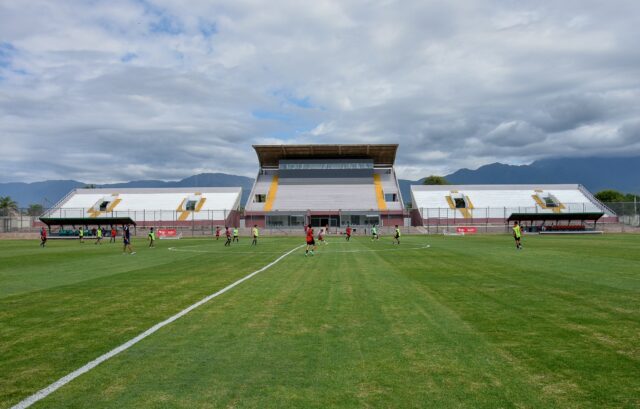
(321, 221)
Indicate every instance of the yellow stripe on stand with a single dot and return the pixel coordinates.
(467, 212)
(450, 201)
(200, 204)
(382, 205)
(271, 196)
(113, 204)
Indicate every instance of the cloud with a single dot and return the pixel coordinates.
(154, 89)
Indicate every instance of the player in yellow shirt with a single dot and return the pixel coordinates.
(396, 236)
(517, 235)
(255, 234)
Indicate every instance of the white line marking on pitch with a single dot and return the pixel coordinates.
(187, 250)
(41, 394)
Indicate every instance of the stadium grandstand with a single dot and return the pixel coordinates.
(148, 207)
(540, 205)
(334, 185)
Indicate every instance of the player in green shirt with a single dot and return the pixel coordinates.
(255, 234)
(517, 235)
(152, 238)
(81, 234)
(374, 233)
(99, 236)
(235, 235)
(396, 236)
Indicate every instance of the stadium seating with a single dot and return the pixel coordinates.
(154, 205)
(497, 202)
(323, 194)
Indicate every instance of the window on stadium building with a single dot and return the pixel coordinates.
(276, 221)
(190, 205)
(104, 205)
(390, 197)
(326, 166)
(360, 220)
(260, 198)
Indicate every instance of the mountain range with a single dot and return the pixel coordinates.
(594, 173)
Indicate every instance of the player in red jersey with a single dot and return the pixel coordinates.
(311, 243)
(227, 232)
(348, 231)
(217, 232)
(43, 237)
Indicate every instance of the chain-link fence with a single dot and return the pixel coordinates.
(17, 220)
(627, 212)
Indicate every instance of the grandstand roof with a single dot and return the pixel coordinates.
(555, 216)
(90, 221)
(382, 155)
(146, 190)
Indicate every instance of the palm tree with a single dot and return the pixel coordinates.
(7, 205)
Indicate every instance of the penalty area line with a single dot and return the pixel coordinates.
(43, 393)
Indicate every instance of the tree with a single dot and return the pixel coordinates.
(630, 197)
(35, 209)
(7, 205)
(89, 186)
(435, 180)
(609, 196)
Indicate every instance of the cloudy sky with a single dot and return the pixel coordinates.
(116, 90)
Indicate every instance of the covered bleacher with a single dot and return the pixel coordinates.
(335, 184)
(69, 227)
(469, 204)
(152, 207)
(558, 223)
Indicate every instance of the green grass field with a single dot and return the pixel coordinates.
(467, 323)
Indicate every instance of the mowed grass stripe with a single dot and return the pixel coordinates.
(64, 263)
(49, 333)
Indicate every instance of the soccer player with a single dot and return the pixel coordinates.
(114, 233)
(81, 234)
(396, 236)
(311, 243)
(217, 232)
(235, 235)
(374, 233)
(227, 233)
(99, 236)
(255, 234)
(43, 237)
(152, 237)
(321, 237)
(517, 235)
(348, 231)
(126, 239)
